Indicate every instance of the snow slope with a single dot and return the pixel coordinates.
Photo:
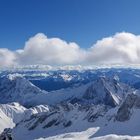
(10, 114)
(68, 121)
(64, 119)
(84, 136)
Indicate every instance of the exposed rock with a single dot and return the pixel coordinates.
(67, 123)
(49, 124)
(124, 112)
(106, 91)
(6, 134)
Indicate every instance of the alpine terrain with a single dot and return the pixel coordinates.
(91, 104)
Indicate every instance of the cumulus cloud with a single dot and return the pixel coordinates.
(122, 48)
(41, 50)
(7, 58)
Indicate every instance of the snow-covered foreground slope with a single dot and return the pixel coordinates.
(60, 120)
(84, 130)
(68, 121)
(13, 113)
(85, 136)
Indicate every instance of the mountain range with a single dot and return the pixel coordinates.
(101, 104)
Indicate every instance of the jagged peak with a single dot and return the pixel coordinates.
(106, 90)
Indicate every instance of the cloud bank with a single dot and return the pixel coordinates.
(121, 48)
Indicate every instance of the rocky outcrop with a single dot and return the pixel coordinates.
(6, 134)
(106, 91)
(125, 111)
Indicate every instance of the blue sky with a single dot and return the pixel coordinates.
(81, 21)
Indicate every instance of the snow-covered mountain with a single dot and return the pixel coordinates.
(95, 104)
(67, 121)
(17, 89)
(107, 91)
(14, 88)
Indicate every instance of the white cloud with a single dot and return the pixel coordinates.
(122, 48)
(7, 58)
(41, 50)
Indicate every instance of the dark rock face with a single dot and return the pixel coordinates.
(108, 100)
(51, 123)
(67, 124)
(137, 103)
(75, 100)
(90, 93)
(39, 119)
(94, 113)
(124, 112)
(6, 134)
(105, 91)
